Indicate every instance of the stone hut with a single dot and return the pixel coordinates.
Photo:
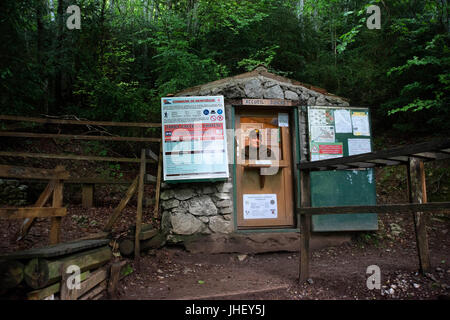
(203, 215)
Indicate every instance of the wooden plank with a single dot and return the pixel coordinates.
(93, 280)
(158, 183)
(418, 194)
(81, 122)
(381, 208)
(87, 195)
(75, 137)
(42, 272)
(95, 291)
(305, 226)
(95, 180)
(68, 157)
(32, 212)
(43, 198)
(139, 206)
(151, 154)
(150, 178)
(60, 249)
(88, 180)
(121, 205)
(96, 236)
(15, 172)
(66, 292)
(55, 228)
(48, 291)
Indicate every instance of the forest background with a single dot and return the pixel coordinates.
(130, 53)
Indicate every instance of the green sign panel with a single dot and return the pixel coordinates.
(336, 132)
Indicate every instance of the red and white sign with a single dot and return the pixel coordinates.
(330, 149)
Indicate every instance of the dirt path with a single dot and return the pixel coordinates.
(336, 273)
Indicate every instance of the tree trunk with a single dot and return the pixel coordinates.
(59, 62)
(41, 272)
(11, 274)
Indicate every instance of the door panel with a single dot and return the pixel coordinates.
(255, 177)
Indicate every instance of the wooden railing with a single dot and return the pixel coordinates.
(413, 156)
(53, 189)
(88, 184)
(147, 156)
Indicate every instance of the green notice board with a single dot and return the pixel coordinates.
(337, 132)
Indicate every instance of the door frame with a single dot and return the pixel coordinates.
(295, 150)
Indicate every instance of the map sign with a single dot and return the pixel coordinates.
(194, 138)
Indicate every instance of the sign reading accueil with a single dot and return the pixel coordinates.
(194, 138)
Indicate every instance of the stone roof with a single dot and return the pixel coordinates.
(260, 83)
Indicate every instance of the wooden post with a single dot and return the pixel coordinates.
(114, 277)
(418, 194)
(66, 293)
(87, 195)
(121, 205)
(158, 183)
(43, 198)
(305, 226)
(139, 206)
(55, 229)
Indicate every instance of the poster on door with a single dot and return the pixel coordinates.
(260, 206)
(194, 138)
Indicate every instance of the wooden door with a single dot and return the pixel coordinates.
(264, 185)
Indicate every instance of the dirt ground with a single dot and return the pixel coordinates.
(336, 272)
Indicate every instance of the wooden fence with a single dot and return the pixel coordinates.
(413, 156)
(147, 157)
(53, 189)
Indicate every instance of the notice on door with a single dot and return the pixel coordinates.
(260, 206)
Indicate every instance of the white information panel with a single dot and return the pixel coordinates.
(194, 138)
(260, 206)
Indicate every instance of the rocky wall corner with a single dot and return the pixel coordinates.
(13, 193)
(201, 208)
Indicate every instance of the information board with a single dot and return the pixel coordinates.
(194, 138)
(260, 206)
(337, 132)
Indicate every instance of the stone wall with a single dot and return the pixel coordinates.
(260, 84)
(13, 193)
(197, 208)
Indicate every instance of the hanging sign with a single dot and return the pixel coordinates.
(194, 138)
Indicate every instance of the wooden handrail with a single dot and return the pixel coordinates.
(75, 137)
(432, 150)
(381, 208)
(69, 157)
(16, 172)
(81, 122)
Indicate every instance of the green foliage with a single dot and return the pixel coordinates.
(130, 53)
(262, 57)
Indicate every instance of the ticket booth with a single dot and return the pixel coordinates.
(262, 126)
